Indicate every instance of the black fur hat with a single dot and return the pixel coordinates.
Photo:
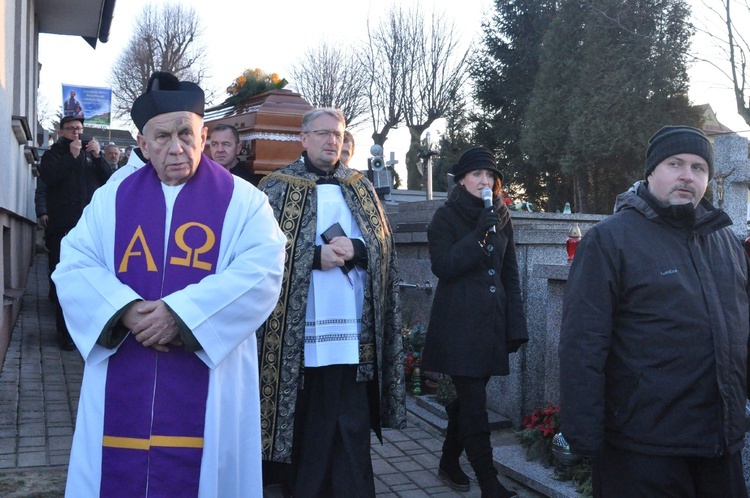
(474, 159)
(165, 93)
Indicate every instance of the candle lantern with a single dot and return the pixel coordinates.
(574, 237)
(416, 381)
(562, 457)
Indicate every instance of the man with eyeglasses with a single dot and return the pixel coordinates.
(71, 171)
(331, 356)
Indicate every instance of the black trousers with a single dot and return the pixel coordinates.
(469, 426)
(331, 452)
(620, 473)
(52, 241)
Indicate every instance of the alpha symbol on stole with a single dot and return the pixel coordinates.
(140, 239)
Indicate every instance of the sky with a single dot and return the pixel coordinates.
(274, 35)
(239, 35)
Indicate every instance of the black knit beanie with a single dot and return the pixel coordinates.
(672, 140)
(474, 159)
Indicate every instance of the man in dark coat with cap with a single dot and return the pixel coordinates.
(71, 172)
(654, 339)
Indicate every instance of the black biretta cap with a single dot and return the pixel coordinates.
(165, 93)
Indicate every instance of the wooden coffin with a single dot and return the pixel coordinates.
(269, 125)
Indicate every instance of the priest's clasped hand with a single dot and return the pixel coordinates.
(344, 243)
(152, 324)
(331, 256)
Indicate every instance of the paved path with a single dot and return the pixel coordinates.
(39, 388)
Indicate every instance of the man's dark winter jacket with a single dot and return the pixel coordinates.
(654, 340)
(70, 182)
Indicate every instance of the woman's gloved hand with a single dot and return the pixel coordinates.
(487, 220)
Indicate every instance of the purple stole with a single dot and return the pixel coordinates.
(155, 404)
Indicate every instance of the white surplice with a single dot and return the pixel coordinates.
(222, 311)
(333, 316)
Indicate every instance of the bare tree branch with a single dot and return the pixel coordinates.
(329, 76)
(165, 38)
(413, 76)
(384, 59)
(436, 70)
(734, 46)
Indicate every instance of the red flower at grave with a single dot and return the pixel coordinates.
(534, 419)
(551, 409)
(547, 430)
(538, 430)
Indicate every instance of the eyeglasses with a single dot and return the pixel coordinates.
(79, 129)
(338, 135)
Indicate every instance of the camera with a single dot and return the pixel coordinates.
(85, 139)
(376, 161)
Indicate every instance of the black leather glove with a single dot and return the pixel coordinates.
(487, 220)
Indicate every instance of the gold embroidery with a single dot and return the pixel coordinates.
(137, 236)
(132, 443)
(179, 238)
(373, 217)
(367, 353)
(290, 222)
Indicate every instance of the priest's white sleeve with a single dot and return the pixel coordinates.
(88, 290)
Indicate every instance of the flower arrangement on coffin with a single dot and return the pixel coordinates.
(252, 82)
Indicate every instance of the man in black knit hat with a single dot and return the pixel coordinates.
(654, 340)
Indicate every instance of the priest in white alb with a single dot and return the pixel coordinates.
(163, 283)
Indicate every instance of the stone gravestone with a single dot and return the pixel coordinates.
(730, 186)
(731, 180)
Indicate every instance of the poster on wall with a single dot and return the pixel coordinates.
(94, 104)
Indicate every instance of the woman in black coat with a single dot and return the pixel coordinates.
(477, 315)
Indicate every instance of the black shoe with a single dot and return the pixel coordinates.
(491, 488)
(66, 344)
(452, 474)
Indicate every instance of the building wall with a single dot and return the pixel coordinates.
(18, 83)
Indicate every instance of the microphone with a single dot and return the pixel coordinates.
(487, 198)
